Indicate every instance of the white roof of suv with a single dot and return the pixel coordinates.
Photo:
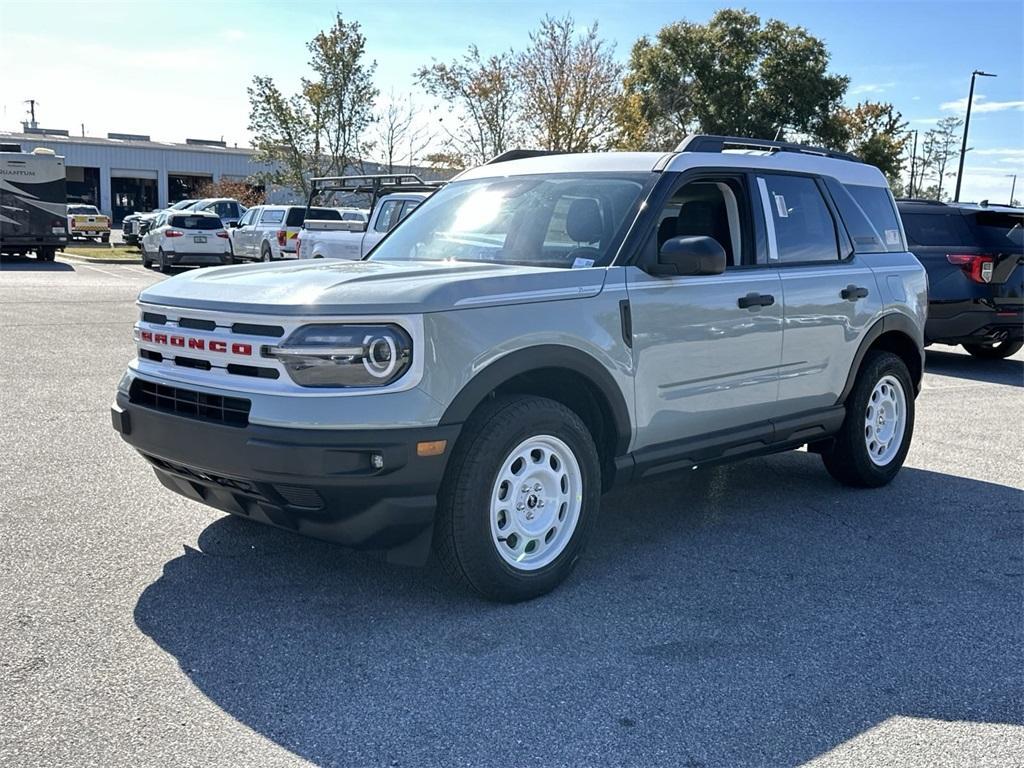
(692, 152)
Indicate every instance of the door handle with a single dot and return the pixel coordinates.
(853, 292)
(752, 300)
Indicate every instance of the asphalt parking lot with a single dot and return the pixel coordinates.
(750, 615)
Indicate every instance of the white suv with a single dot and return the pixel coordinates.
(180, 238)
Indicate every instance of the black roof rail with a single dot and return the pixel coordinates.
(522, 154)
(921, 200)
(707, 143)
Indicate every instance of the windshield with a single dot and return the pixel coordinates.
(560, 221)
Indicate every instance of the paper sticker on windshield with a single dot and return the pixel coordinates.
(582, 263)
(780, 206)
(892, 237)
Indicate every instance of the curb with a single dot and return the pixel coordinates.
(92, 260)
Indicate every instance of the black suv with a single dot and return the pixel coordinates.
(974, 256)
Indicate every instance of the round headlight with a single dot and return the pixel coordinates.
(345, 355)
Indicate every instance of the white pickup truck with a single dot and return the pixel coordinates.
(394, 197)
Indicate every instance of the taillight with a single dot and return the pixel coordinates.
(173, 233)
(222, 233)
(281, 237)
(978, 268)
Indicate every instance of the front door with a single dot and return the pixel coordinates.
(706, 349)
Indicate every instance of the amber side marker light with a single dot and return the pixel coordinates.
(433, 448)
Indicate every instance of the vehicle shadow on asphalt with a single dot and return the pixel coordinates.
(25, 264)
(963, 366)
(757, 614)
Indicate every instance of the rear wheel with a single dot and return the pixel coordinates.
(265, 253)
(873, 441)
(996, 351)
(105, 237)
(519, 499)
(162, 262)
(46, 254)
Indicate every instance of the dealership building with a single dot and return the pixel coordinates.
(125, 172)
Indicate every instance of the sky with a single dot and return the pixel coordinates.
(180, 69)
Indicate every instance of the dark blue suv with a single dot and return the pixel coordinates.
(974, 255)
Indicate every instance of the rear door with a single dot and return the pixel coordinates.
(830, 297)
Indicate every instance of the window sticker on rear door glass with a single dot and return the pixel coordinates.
(780, 206)
(892, 237)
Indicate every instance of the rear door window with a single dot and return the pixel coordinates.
(804, 228)
(196, 222)
(388, 212)
(272, 217)
(944, 229)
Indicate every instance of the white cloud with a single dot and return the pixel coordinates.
(233, 35)
(980, 105)
(866, 88)
(1015, 154)
(926, 120)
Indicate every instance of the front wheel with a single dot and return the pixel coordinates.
(519, 499)
(875, 436)
(996, 351)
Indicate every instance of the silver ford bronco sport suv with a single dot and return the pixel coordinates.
(542, 328)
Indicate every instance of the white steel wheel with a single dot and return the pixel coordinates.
(885, 420)
(535, 502)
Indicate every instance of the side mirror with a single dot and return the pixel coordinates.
(234, 224)
(698, 255)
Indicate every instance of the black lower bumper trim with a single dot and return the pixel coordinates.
(320, 483)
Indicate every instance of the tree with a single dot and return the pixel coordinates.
(877, 134)
(319, 130)
(939, 148)
(734, 76)
(570, 86)
(398, 134)
(482, 95)
(248, 192)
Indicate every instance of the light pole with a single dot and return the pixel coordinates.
(967, 125)
(1013, 187)
(913, 164)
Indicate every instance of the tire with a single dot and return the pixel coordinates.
(556, 519)
(265, 253)
(162, 262)
(105, 238)
(46, 254)
(997, 351)
(146, 263)
(882, 397)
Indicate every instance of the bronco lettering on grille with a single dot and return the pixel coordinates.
(171, 340)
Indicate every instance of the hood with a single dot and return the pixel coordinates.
(335, 287)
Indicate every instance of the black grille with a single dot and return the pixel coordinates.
(196, 324)
(230, 411)
(251, 329)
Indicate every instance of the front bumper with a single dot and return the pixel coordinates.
(318, 483)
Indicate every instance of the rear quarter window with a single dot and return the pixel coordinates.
(877, 205)
(998, 230)
(272, 217)
(944, 229)
(196, 222)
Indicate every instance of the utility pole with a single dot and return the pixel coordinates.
(1013, 187)
(913, 164)
(967, 125)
